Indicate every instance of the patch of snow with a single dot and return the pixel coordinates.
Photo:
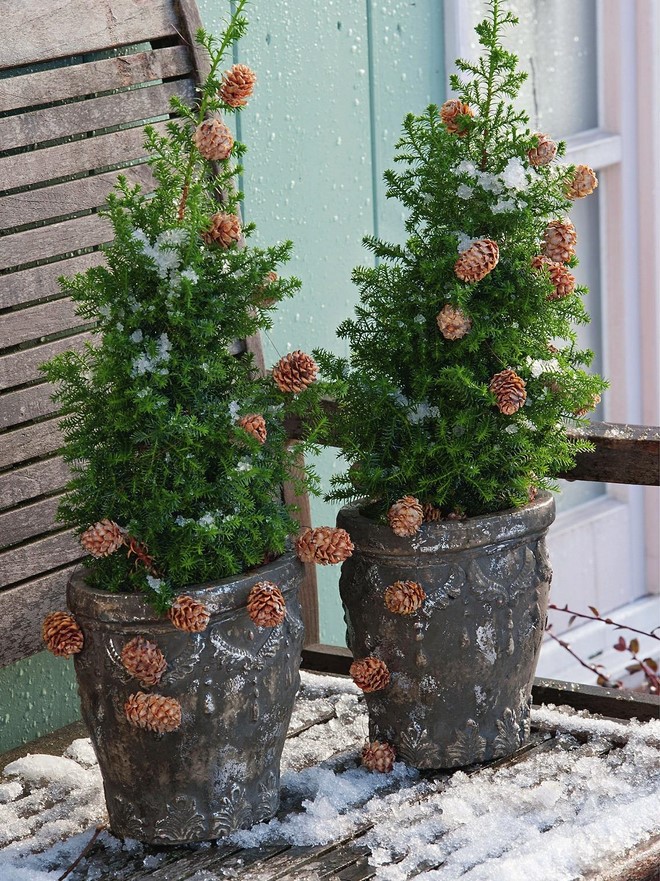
(486, 638)
(82, 752)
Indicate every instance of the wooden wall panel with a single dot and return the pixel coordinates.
(22, 484)
(42, 281)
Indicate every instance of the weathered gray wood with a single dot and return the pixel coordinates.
(21, 632)
(45, 29)
(64, 83)
(49, 241)
(641, 864)
(32, 559)
(27, 404)
(21, 524)
(35, 480)
(67, 198)
(38, 321)
(53, 123)
(29, 442)
(623, 454)
(39, 282)
(23, 366)
(101, 151)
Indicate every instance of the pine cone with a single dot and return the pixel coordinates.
(254, 424)
(583, 184)
(261, 298)
(450, 114)
(453, 323)
(509, 389)
(237, 85)
(265, 604)
(405, 516)
(430, 513)
(404, 597)
(103, 538)
(562, 280)
(189, 614)
(213, 140)
(457, 514)
(544, 152)
(62, 635)
(377, 756)
(225, 230)
(155, 712)
(582, 411)
(559, 240)
(370, 674)
(144, 661)
(324, 545)
(294, 372)
(477, 261)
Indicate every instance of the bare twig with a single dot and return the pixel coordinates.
(597, 617)
(603, 678)
(100, 828)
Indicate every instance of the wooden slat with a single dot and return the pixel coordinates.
(21, 633)
(623, 454)
(27, 404)
(30, 442)
(38, 321)
(84, 155)
(23, 366)
(33, 520)
(641, 864)
(42, 281)
(47, 29)
(31, 560)
(76, 80)
(308, 593)
(27, 483)
(64, 120)
(49, 241)
(67, 198)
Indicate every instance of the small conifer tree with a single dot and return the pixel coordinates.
(177, 445)
(465, 368)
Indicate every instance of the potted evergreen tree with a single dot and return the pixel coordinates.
(464, 373)
(185, 623)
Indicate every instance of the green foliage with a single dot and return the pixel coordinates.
(416, 414)
(152, 404)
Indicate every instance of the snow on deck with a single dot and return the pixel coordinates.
(587, 793)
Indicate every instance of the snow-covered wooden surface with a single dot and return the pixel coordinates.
(579, 801)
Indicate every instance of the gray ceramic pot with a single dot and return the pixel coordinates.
(462, 665)
(236, 683)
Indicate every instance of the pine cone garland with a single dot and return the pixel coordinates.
(266, 605)
(559, 240)
(544, 152)
(509, 389)
(224, 230)
(294, 372)
(430, 513)
(144, 661)
(370, 674)
(450, 114)
(404, 597)
(103, 538)
(237, 85)
(562, 280)
(62, 635)
(405, 516)
(477, 261)
(377, 756)
(583, 183)
(255, 425)
(213, 140)
(189, 614)
(453, 323)
(155, 712)
(324, 545)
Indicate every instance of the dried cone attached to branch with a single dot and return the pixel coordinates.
(62, 635)
(477, 261)
(583, 183)
(213, 140)
(453, 323)
(377, 756)
(370, 674)
(451, 113)
(188, 614)
(595, 401)
(294, 372)
(562, 280)
(237, 85)
(155, 712)
(559, 240)
(405, 516)
(324, 545)
(103, 538)
(224, 230)
(431, 513)
(266, 605)
(544, 152)
(144, 661)
(404, 597)
(509, 390)
(254, 424)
